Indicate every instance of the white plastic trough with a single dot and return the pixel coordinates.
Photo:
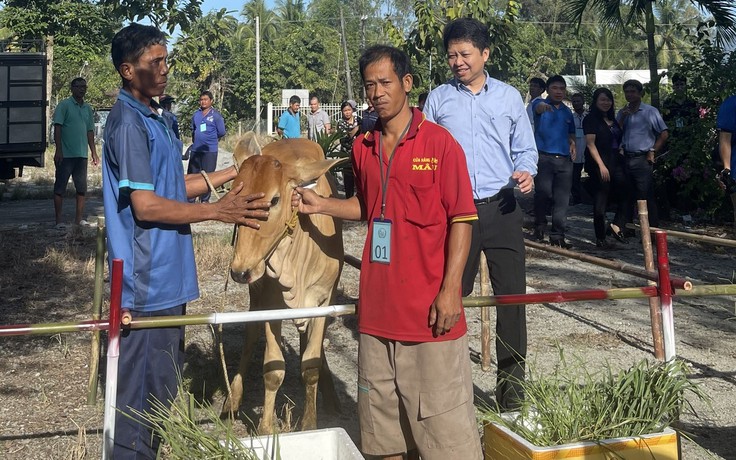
(326, 444)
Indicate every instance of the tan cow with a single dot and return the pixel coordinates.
(301, 257)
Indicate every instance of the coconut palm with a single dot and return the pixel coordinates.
(622, 14)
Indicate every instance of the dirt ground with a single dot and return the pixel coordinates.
(46, 275)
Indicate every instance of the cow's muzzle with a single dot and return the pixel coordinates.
(241, 277)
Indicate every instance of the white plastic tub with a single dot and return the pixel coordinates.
(326, 444)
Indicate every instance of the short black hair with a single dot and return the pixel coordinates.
(679, 78)
(578, 94)
(556, 79)
(399, 59)
(539, 82)
(467, 30)
(636, 84)
(295, 100)
(422, 97)
(132, 41)
(77, 80)
(208, 94)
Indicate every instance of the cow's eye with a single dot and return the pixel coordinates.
(275, 200)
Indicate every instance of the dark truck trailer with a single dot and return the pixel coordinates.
(22, 111)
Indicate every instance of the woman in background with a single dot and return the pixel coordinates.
(605, 166)
(350, 125)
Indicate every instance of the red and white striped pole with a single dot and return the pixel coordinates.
(665, 295)
(113, 353)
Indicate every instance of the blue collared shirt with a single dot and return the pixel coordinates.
(493, 129)
(207, 130)
(552, 129)
(641, 128)
(141, 153)
(289, 123)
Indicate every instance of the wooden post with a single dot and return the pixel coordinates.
(655, 312)
(94, 358)
(485, 316)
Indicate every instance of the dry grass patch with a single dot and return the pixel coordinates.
(213, 252)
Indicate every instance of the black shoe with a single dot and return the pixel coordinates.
(602, 244)
(619, 235)
(538, 236)
(561, 243)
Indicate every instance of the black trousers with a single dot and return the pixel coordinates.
(616, 189)
(552, 185)
(577, 171)
(497, 233)
(202, 161)
(150, 363)
(639, 173)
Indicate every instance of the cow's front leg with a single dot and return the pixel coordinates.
(311, 364)
(232, 403)
(273, 375)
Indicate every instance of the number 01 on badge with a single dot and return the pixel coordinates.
(381, 241)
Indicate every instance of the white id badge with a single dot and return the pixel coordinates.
(203, 127)
(381, 241)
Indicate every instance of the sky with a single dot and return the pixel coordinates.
(230, 5)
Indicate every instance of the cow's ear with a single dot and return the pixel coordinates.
(312, 171)
(246, 147)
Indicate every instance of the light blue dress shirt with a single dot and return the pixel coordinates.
(493, 129)
(641, 128)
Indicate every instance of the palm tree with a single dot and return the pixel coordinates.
(621, 14)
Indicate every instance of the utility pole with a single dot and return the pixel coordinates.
(363, 18)
(348, 80)
(258, 75)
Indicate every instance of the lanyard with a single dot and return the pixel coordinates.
(384, 181)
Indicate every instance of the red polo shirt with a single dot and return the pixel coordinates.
(428, 189)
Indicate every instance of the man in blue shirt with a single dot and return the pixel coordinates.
(147, 217)
(645, 134)
(208, 127)
(554, 132)
(489, 120)
(289, 125)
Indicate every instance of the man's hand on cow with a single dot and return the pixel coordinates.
(235, 209)
(524, 180)
(445, 312)
(305, 200)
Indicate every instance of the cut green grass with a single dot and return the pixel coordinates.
(573, 404)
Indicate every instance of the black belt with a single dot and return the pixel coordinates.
(556, 155)
(638, 153)
(496, 197)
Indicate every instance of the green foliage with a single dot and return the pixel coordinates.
(330, 143)
(164, 14)
(573, 404)
(688, 171)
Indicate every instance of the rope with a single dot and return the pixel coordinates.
(209, 184)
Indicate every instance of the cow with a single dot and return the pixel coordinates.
(293, 261)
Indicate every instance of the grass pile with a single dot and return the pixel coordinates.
(194, 431)
(573, 404)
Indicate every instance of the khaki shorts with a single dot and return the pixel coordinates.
(417, 395)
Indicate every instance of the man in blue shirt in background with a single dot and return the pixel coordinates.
(208, 127)
(289, 124)
(147, 217)
(645, 134)
(489, 120)
(554, 132)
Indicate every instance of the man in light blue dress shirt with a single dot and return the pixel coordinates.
(489, 120)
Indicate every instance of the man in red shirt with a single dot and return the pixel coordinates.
(414, 190)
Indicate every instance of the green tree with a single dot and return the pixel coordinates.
(621, 15)
(201, 59)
